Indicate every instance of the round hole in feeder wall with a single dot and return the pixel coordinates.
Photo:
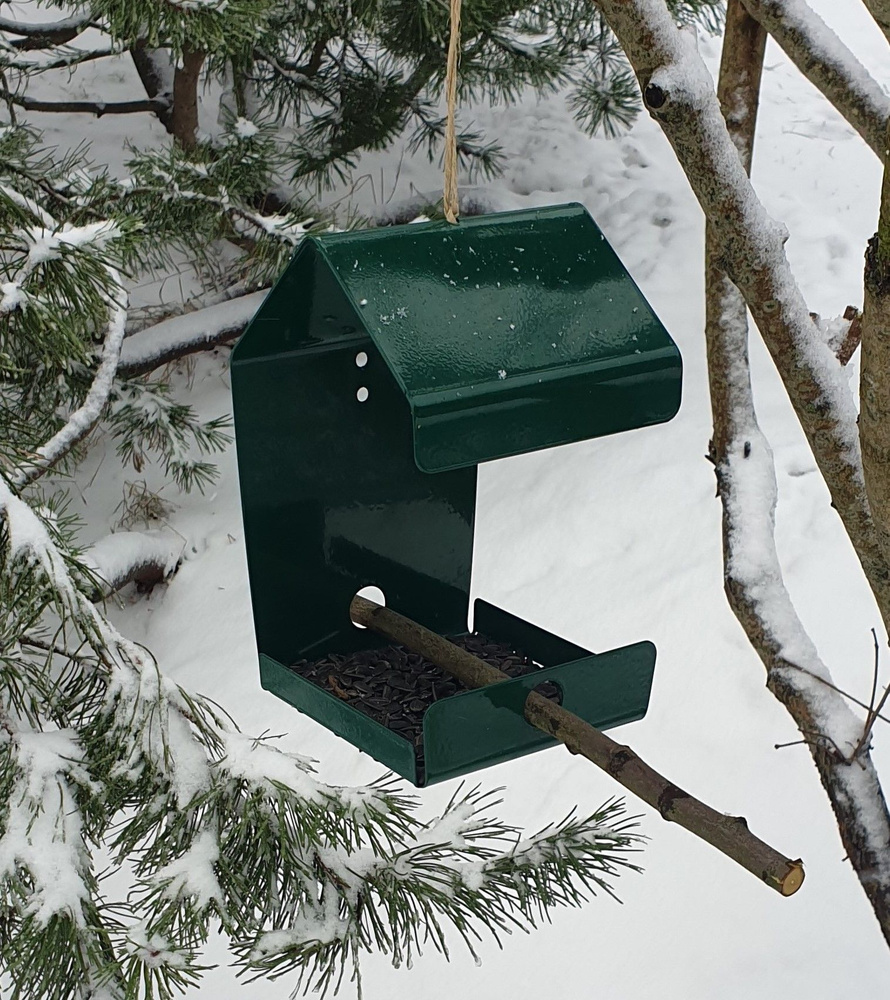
(361, 359)
(550, 690)
(370, 593)
(362, 394)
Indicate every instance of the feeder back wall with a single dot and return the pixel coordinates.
(498, 336)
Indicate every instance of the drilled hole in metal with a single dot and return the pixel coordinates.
(370, 593)
(362, 394)
(361, 359)
(550, 690)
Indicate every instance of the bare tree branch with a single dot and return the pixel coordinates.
(156, 71)
(678, 92)
(97, 108)
(829, 65)
(729, 834)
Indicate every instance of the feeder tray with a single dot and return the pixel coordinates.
(383, 367)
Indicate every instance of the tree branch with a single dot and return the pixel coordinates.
(85, 418)
(97, 108)
(828, 64)
(68, 60)
(42, 36)
(190, 333)
(156, 71)
(184, 120)
(747, 488)
(678, 92)
(874, 381)
(132, 557)
(729, 834)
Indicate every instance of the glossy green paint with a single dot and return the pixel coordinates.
(479, 728)
(508, 333)
(497, 336)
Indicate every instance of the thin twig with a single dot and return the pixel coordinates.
(729, 834)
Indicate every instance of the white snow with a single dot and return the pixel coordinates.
(42, 829)
(46, 243)
(193, 874)
(606, 542)
(113, 556)
(84, 418)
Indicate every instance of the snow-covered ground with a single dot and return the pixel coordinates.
(606, 542)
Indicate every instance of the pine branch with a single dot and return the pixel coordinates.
(729, 834)
(98, 108)
(85, 418)
(179, 336)
(829, 65)
(41, 36)
(66, 60)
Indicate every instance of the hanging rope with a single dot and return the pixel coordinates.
(449, 198)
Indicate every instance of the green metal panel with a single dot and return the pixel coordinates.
(508, 333)
(497, 336)
(476, 729)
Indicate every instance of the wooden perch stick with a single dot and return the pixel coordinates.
(729, 834)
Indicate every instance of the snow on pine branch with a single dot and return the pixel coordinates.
(42, 826)
(86, 416)
(181, 335)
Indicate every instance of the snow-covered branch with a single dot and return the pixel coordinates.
(39, 35)
(86, 416)
(180, 336)
(837, 738)
(143, 558)
(679, 93)
(824, 59)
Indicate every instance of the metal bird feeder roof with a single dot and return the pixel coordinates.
(383, 367)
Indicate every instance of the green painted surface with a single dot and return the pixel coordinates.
(508, 333)
(380, 370)
(479, 728)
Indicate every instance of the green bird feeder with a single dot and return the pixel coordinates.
(381, 369)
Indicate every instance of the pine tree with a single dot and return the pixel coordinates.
(100, 753)
(342, 77)
(104, 761)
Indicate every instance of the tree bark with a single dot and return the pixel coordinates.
(155, 69)
(874, 383)
(740, 453)
(184, 123)
(679, 94)
(844, 81)
(729, 834)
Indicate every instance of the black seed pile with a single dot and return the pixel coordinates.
(395, 686)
